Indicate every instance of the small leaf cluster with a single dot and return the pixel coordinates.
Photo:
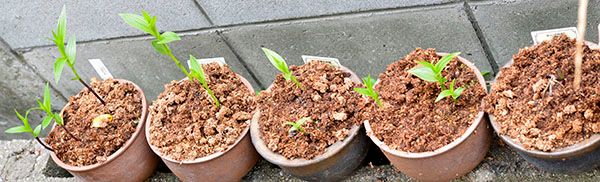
(433, 73)
(197, 72)
(369, 91)
(279, 63)
(297, 126)
(45, 106)
(68, 52)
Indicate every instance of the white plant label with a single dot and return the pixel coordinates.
(543, 35)
(333, 61)
(100, 68)
(218, 60)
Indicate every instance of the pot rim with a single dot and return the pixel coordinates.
(207, 157)
(280, 160)
(121, 150)
(593, 141)
(420, 155)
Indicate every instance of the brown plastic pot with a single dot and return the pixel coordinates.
(229, 165)
(338, 162)
(134, 161)
(450, 161)
(576, 158)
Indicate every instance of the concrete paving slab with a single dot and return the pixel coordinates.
(506, 25)
(28, 23)
(19, 87)
(227, 12)
(135, 60)
(365, 43)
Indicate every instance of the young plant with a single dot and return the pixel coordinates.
(433, 73)
(277, 61)
(297, 126)
(68, 53)
(369, 91)
(46, 106)
(147, 23)
(26, 128)
(197, 72)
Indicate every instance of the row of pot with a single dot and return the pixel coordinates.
(136, 160)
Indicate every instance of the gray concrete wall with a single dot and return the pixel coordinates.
(364, 35)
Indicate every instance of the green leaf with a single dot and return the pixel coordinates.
(441, 64)
(457, 92)
(71, 50)
(47, 103)
(37, 131)
(368, 81)
(57, 119)
(138, 22)
(428, 65)
(58, 68)
(363, 91)
(303, 120)
(443, 94)
(197, 71)
(61, 27)
(25, 119)
(277, 61)
(167, 37)
(41, 104)
(160, 48)
(18, 129)
(46, 121)
(452, 86)
(424, 73)
(485, 73)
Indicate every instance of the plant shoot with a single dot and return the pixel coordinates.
(369, 91)
(279, 63)
(197, 72)
(433, 73)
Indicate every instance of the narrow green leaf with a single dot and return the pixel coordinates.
(452, 86)
(18, 129)
(160, 48)
(57, 119)
(457, 92)
(71, 50)
(46, 121)
(363, 91)
(61, 27)
(197, 70)
(443, 94)
(25, 119)
(428, 65)
(138, 22)
(277, 61)
(424, 73)
(47, 103)
(37, 131)
(368, 81)
(167, 37)
(58, 68)
(485, 73)
(41, 104)
(441, 64)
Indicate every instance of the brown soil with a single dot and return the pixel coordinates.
(186, 125)
(535, 103)
(123, 102)
(410, 120)
(327, 97)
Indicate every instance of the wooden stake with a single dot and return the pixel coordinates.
(581, 22)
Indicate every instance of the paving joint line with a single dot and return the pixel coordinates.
(486, 48)
(204, 13)
(226, 40)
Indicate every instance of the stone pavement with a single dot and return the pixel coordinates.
(365, 35)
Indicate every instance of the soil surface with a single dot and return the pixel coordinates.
(186, 124)
(96, 144)
(534, 100)
(410, 120)
(327, 97)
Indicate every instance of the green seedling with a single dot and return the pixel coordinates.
(45, 106)
(485, 73)
(297, 126)
(147, 23)
(279, 63)
(369, 91)
(433, 73)
(68, 53)
(197, 72)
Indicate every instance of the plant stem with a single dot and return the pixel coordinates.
(70, 134)
(92, 90)
(581, 21)
(44, 144)
(212, 95)
(298, 84)
(178, 63)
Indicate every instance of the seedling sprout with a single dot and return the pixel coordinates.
(279, 63)
(433, 73)
(369, 91)
(297, 126)
(197, 72)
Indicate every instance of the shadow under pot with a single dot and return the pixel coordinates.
(576, 158)
(134, 161)
(450, 161)
(338, 161)
(231, 164)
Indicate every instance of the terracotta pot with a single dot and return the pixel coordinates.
(229, 165)
(338, 162)
(579, 157)
(134, 161)
(450, 161)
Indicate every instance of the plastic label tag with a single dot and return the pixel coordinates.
(543, 35)
(333, 61)
(218, 60)
(100, 68)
